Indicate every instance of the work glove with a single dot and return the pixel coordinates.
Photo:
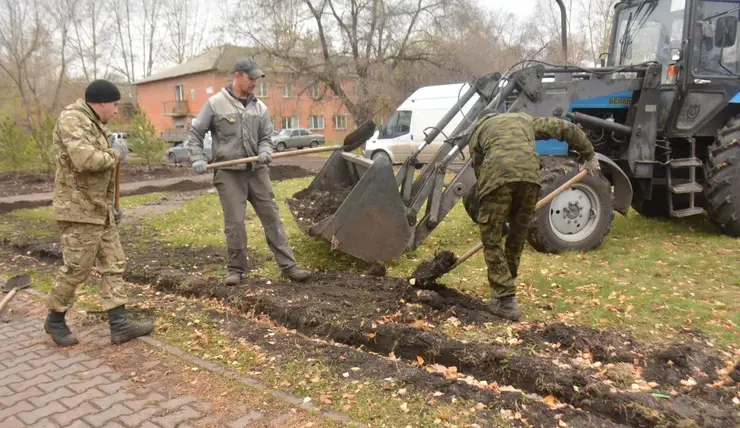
(199, 166)
(592, 165)
(121, 148)
(265, 158)
(118, 215)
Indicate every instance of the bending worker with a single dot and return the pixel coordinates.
(241, 127)
(507, 169)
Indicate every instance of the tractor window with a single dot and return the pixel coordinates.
(714, 56)
(398, 124)
(647, 31)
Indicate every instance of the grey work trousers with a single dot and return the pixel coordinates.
(235, 188)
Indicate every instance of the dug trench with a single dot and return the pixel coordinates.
(387, 315)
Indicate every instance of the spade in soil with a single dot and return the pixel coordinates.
(445, 261)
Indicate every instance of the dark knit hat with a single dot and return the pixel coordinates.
(102, 91)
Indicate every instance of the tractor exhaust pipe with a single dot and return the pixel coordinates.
(601, 123)
(563, 30)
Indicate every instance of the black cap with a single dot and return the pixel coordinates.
(249, 66)
(102, 91)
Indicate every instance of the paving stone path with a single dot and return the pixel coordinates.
(43, 386)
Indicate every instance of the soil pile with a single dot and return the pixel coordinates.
(432, 268)
(310, 206)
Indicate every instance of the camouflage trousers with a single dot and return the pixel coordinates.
(515, 201)
(85, 246)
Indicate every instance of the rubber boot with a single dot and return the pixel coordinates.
(123, 328)
(296, 274)
(57, 327)
(505, 307)
(233, 278)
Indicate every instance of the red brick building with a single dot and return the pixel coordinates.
(173, 97)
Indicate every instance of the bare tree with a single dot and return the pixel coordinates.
(151, 40)
(33, 53)
(123, 49)
(326, 41)
(187, 29)
(91, 35)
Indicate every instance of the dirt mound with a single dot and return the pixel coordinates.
(287, 172)
(432, 268)
(387, 315)
(610, 346)
(310, 206)
(680, 362)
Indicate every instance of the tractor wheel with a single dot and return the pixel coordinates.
(722, 179)
(578, 218)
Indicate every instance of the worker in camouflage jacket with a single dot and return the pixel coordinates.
(84, 192)
(507, 169)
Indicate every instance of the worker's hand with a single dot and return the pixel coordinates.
(592, 166)
(200, 167)
(265, 158)
(118, 215)
(121, 148)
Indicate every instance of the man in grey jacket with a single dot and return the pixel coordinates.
(240, 127)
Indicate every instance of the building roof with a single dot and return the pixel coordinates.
(221, 58)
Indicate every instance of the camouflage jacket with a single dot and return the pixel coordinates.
(502, 147)
(84, 186)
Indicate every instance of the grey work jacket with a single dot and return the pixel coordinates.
(237, 131)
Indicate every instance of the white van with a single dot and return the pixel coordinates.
(405, 129)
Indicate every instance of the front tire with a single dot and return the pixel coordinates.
(722, 176)
(577, 219)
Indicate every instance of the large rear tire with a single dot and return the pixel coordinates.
(577, 219)
(722, 179)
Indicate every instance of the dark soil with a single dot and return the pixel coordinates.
(680, 362)
(387, 315)
(13, 183)
(609, 346)
(432, 268)
(310, 206)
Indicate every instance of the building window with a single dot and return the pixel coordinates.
(192, 94)
(209, 90)
(179, 93)
(313, 91)
(262, 89)
(290, 122)
(340, 121)
(288, 90)
(316, 122)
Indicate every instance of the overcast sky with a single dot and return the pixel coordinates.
(519, 7)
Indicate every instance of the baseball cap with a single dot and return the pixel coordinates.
(249, 66)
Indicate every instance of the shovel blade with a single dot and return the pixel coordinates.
(18, 281)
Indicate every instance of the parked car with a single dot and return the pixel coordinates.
(179, 153)
(296, 137)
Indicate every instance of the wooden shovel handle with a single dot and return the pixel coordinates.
(7, 298)
(542, 202)
(274, 156)
(118, 187)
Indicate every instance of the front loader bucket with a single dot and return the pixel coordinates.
(354, 204)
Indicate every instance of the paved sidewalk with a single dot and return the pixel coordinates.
(44, 386)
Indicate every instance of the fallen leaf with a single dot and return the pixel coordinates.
(345, 374)
(307, 399)
(419, 360)
(438, 394)
(562, 424)
(405, 407)
(659, 395)
(550, 400)
(402, 391)
(653, 384)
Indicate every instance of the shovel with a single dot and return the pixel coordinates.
(441, 270)
(13, 286)
(351, 142)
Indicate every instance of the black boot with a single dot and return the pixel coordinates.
(123, 328)
(57, 328)
(505, 307)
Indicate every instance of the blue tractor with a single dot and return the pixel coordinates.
(662, 111)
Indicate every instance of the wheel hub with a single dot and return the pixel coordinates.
(572, 213)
